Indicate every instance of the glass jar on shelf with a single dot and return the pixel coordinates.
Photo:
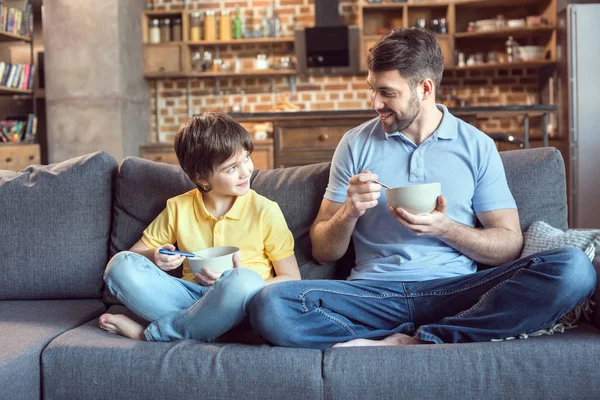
(176, 30)
(154, 31)
(225, 25)
(210, 26)
(165, 30)
(197, 64)
(195, 26)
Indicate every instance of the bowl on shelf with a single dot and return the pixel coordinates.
(530, 53)
(485, 25)
(515, 23)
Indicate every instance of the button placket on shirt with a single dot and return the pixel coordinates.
(417, 165)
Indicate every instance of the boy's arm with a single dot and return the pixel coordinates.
(162, 261)
(286, 270)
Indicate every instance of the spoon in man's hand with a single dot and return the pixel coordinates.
(379, 183)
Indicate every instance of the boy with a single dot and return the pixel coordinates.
(214, 151)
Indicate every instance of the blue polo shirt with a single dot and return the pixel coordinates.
(459, 156)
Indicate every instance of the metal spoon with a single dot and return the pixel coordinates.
(379, 183)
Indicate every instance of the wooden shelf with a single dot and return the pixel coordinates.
(505, 32)
(492, 3)
(428, 4)
(165, 44)
(220, 74)
(380, 6)
(7, 90)
(519, 64)
(7, 37)
(162, 12)
(241, 41)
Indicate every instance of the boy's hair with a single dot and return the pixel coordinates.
(414, 52)
(206, 141)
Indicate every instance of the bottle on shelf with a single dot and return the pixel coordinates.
(225, 25)
(165, 30)
(155, 31)
(210, 26)
(195, 26)
(511, 50)
(176, 30)
(275, 24)
(238, 26)
(265, 26)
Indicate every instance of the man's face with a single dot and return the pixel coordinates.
(392, 97)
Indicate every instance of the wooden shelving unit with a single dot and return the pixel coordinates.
(18, 155)
(173, 60)
(374, 19)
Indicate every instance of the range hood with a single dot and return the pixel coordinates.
(329, 44)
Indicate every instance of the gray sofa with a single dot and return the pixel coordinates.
(61, 223)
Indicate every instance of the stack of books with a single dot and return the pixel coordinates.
(17, 76)
(20, 129)
(16, 17)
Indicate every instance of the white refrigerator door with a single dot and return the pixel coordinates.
(584, 115)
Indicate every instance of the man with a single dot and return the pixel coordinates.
(415, 279)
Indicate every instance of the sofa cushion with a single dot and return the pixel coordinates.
(55, 224)
(558, 366)
(89, 363)
(537, 180)
(541, 237)
(142, 189)
(26, 327)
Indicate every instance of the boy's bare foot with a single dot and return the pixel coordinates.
(397, 339)
(123, 325)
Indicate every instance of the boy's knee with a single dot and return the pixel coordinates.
(120, 266)
(242, 282)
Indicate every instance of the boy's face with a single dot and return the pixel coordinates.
(232, 178)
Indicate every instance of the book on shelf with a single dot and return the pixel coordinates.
(19, 129)
(17, 76)
(16, 17)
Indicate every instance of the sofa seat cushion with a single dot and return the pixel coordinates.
(55, 224)
(89, 363)
(559, 366)
(26, 327)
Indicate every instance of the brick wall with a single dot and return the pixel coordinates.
(486, 87)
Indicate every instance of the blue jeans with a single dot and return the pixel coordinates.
(519, 297)
(178, 309)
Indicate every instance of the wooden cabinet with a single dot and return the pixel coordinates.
(262, 157)
(312, 140)
(16, 156)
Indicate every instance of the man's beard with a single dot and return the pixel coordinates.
(401, 123)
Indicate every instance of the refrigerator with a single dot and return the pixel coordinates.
(578, 40)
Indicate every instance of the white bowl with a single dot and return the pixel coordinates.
(485, 25)
(528, 53)
(416, 199)
(218, 259)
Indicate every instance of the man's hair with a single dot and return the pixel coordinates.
(208, 140)
(414, 52)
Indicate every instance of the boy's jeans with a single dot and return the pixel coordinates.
(519, 297)
(178, 309)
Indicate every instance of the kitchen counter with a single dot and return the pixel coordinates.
(534, 110)
(526, 111)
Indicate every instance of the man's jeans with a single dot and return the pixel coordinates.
(179, 309)
(519, 297)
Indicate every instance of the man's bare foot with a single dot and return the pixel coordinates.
(397, 339)
(123, 325)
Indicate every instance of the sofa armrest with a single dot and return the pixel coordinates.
(596, 296)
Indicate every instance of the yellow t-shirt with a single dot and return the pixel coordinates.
(254, 223)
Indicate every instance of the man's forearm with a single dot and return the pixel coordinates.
(330, 238)
(491, 246)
